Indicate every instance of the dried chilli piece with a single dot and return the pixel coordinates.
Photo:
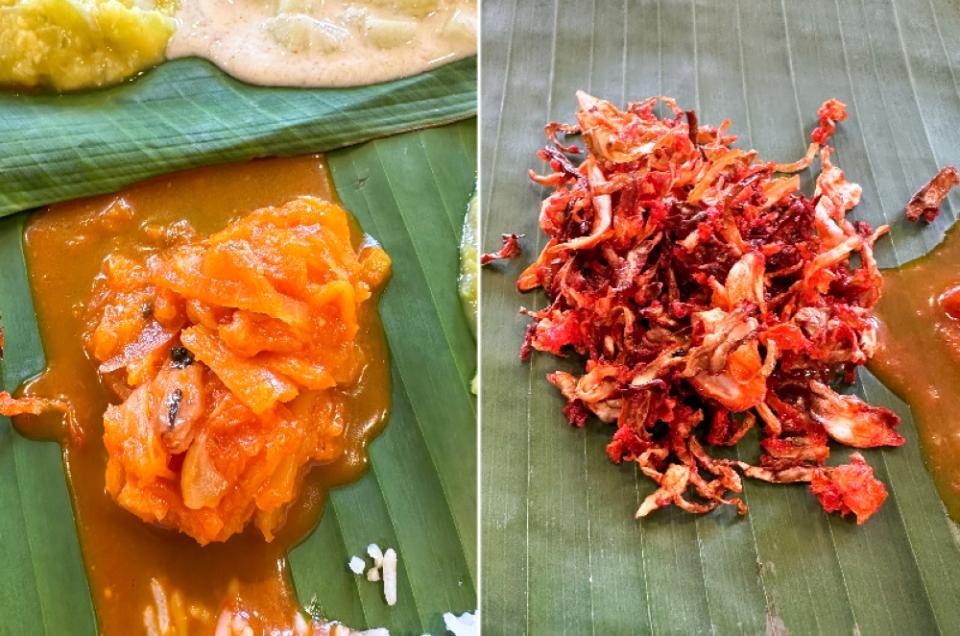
(511, 249)
(709, 297)
(926, 202)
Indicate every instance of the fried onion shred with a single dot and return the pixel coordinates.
(709, 297)
(511, 249)
(849, 488)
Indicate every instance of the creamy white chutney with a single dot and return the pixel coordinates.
(324, 42)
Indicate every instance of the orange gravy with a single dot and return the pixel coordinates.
(65, 245)
(919, 356)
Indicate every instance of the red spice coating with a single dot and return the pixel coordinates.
(830, 113)
(706, 294)
(849, 488)
(511, 249)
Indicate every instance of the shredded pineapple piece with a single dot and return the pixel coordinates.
(246, 336)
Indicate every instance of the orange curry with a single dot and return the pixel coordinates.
(919, 355)
(217, 330)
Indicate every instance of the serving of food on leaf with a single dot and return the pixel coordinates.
(708, 296)
(226, 349)
(69, 44)
(204, 347)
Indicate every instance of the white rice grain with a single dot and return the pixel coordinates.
(390, 576)
(375, 553)
(300, 625)
(150, 621)
(223, 624)
(163, 612)
(356, 565)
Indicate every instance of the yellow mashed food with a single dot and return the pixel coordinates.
(71, 44)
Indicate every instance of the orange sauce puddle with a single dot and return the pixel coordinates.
(919, 356)
(65, 245)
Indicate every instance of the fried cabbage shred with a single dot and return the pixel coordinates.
(709, 297)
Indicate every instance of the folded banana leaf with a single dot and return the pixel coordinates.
(187, 113)
(419, 496)
(559, 539)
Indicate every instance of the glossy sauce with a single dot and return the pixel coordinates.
(65, 245)
(919, 356)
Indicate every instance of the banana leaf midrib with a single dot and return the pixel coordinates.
(186, 113)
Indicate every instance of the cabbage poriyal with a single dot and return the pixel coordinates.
(72, 44)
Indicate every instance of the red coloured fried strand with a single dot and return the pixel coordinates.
(511, 249)
(926, 202)
(709, 297)
(832, 111)
(851, 421)
(849, 488)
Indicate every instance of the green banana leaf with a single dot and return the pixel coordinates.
(419, 495)
(559, 541)
(410, 192)
(187, 113)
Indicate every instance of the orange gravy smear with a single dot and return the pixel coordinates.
(919, 356)
(128, 561)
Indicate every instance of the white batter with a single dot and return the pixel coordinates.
(325, 42)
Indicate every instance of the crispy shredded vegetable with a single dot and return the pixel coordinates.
(709, 297)
(850, 488)
(511, 248)
(224, 351)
